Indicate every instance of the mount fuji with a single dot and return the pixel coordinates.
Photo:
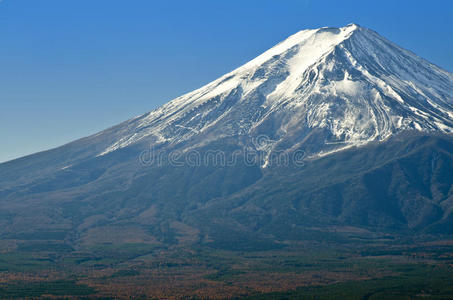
(374, 123)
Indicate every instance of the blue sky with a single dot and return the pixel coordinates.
(71, 68)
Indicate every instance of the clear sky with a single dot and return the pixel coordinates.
(70, 68)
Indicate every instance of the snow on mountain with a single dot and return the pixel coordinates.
(348, 85)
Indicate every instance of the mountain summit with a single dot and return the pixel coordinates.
(348, 84)
(373, 120)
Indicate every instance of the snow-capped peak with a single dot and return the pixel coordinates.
(349, 85)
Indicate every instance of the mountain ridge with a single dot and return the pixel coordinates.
(271, 78)
(166, 124)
